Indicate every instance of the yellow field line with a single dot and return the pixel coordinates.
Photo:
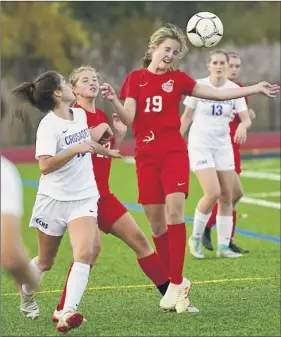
(136, 286)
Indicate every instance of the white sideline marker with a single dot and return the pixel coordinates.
(260, 202)
(260, 175)
(265, 194)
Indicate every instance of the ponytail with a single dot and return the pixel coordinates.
(146, 59)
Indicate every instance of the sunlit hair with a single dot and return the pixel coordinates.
(218, 52)
(168, 31)
(74, 76)
(234, 55)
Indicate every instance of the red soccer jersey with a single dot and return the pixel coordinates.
(158, 101)
(101, 164)
(236, 119)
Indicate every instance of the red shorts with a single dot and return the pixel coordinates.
(160, 176)
(237, 159)
(110, 209)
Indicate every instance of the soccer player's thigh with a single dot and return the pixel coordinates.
(224, 161)
(203, 165)
(149, 181)
(49, 216)
(175, 173)
(110, 210)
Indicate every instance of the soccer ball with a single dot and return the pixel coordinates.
(204, 29)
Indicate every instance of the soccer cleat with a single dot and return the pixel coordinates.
(225, 251)
(206, 239)
(195, 247)
(176, 297)
(57, 315)
(68, 321)
(29, 306)
(237, 249)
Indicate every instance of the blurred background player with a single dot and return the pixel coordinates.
(67, 195)
(14, 258)
(211, 154)
(152, 96)
(113, 217)
(237, 193)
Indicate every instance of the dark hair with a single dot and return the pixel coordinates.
(40, 92)
(215, 52)
(3, 108)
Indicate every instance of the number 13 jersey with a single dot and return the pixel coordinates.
(210, 127)
(158, 101)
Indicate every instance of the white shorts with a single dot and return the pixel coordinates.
(201, 158)
(52, 216)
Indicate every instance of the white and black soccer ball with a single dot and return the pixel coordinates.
(204, 29)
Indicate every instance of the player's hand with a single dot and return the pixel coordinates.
(241, 134)
(268, 89)
(83, 148)
(114, 153)
(107, 92)
(252, 113)
(118, 126)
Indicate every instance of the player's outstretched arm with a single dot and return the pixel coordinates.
(127, 112)
(186, 120)
(120, 131)
(99, 149)
(204, 91)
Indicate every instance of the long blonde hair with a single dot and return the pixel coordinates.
(169, 31)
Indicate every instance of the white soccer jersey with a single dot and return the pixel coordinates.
(75, 180)
(11, 189)
(210, 127)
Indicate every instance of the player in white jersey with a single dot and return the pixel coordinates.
(14, 258)
(67, 195)
(211, 154)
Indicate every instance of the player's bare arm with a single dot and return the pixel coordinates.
(252, 114)
(102, 130)
(49, 164)
(120, 131)
(186, 120)
(204, 91)
(127, 112)
(241, 132)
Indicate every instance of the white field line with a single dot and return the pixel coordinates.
(260, 202)
(265, 194)
(273, 170)
(265, 164)
(260, 175)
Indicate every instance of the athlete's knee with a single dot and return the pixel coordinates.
(237, 195)
(225, 200)
(175, 214)
(212, 196)
(157, 220)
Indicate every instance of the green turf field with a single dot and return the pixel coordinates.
(239, 297)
